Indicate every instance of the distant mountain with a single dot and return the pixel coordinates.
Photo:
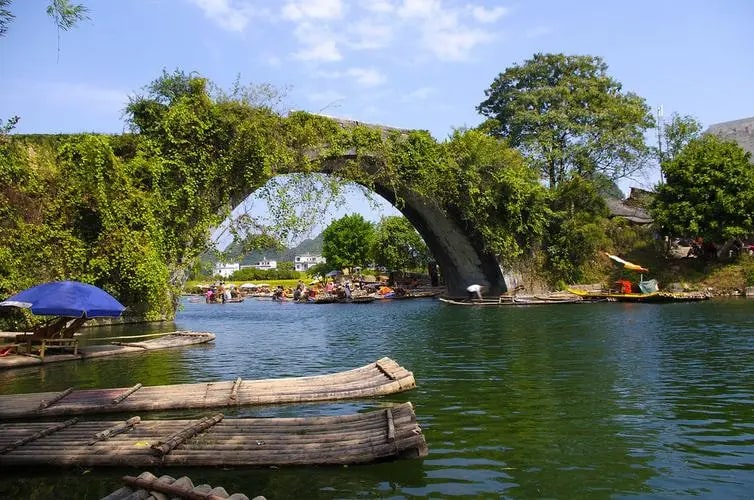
(310, 246)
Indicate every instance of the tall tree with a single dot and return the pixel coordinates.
(347, 241)
(397, 245)
(708, 191)
(566, 114)
(678, 132)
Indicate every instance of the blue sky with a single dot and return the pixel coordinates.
(420, 64)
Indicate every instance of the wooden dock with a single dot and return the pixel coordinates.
(383, 434)
(167, 341)
(380, 378)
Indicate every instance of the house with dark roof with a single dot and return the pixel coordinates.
(632, 208)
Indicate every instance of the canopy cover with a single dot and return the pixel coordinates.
(628, 265)
(67, 298)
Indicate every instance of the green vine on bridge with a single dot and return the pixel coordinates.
(131, 213)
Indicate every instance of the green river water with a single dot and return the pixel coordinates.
(603, 400)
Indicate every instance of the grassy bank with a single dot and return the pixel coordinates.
(192, 286)
(716, 277)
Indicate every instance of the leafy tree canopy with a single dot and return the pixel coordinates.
(566, 114)
(708, 191)
(397, 246)
(347, 241)
(494, 192)
(577, 228)
(678, 132)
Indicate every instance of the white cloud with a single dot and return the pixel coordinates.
(455, 45)
(444, 33)
(325, 50)
(319, 44)
(367, 77)
(303, 10)
(327, 31)
(225, 14)
(484, 15)
(379, 6)
(419, 8)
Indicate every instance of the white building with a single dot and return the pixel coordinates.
(225, 269)
(264, 265)
(306, 261)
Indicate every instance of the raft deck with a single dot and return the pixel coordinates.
(214, 441)
(380, 378)
(166, 341)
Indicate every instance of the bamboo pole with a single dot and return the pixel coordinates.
(39, 435)
(234, 389)
(170, 489)
(117, 429)
(123, 396)
(44, 404)
(170, 443)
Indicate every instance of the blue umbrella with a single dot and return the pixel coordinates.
(67, 298)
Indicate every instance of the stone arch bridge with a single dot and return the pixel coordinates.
(462, 260)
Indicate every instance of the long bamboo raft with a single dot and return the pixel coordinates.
(165, 341)
(380, 378)
(214, 441)
(515, 300)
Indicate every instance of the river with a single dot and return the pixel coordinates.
(603, 400)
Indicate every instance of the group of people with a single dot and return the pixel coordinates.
(302, 292)
(218, 293)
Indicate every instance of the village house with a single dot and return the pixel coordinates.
(264, 265)
(225, 269)
(306, 261)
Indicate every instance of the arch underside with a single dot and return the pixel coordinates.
(462, 261)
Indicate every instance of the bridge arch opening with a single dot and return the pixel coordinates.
(315, 199)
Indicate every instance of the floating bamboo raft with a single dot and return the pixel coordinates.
(183, 487)
(380, 378)
(214, 441)
(515, 300)
(166, 341)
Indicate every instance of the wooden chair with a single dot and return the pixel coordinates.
(55, 334)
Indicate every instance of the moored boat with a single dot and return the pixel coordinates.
(657, 297)
(514, 300)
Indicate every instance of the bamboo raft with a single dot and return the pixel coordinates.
(515, 300)
(380, 378)
(183, 487)
(166, 341)
(389, 433)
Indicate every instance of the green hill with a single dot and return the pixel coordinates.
(310, 246)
